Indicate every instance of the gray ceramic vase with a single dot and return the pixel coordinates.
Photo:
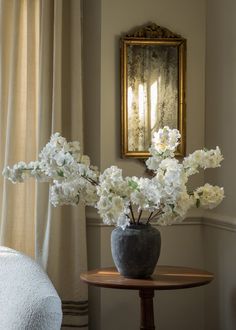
(136, 250)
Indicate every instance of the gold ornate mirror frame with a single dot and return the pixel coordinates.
(153, 65)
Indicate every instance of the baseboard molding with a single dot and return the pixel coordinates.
(208, 219)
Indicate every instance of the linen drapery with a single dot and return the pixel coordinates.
(40, 93)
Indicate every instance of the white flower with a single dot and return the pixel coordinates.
(122, 200)
(146, 194)
(153, 163)
(85, 160)
(171, 180)
(17, 173)
(164, 144)
(165, 141)
(111, 182)
(202, 159)
(64, 193)
(34, 170)
(117, 205)
(103, 205)
(88, 194)
(167, 217)
(183, 203)
(209, 196)
(74, 149)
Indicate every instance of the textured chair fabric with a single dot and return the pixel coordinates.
(28, 300)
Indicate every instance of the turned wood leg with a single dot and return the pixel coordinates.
(146, 304)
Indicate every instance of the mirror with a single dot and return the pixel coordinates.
(152, 87)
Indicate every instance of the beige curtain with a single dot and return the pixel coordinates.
(40, 93)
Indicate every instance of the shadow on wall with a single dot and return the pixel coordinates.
(233, 305)
(220, 250)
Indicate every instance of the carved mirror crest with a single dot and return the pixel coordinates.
(153, 61)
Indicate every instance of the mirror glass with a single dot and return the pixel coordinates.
(152, 88)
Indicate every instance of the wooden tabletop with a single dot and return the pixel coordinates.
(164, 278)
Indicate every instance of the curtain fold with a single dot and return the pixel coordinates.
(40, 93)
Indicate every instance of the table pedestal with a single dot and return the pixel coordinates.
(146, 304)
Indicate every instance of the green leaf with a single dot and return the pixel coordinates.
(132, 184)
(60, 173)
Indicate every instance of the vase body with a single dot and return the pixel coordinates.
(135, 250)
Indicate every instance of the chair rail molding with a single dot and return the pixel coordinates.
(220, 221)
(207, 218)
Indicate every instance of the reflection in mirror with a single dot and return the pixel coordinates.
(152, 84)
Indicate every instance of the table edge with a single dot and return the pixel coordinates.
(142, 286)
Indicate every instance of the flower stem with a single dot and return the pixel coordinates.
(90, 180)
(132, 214)
(139, 217)
(149, 218)
(152, 216)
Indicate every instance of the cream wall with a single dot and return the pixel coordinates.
(91, 26)
(186, 17)
(104, 22)
(220, 94)
(220, 256)
(220, 233)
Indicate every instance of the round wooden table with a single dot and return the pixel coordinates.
(164, 278)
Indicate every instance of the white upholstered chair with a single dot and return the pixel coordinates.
(28, 300)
